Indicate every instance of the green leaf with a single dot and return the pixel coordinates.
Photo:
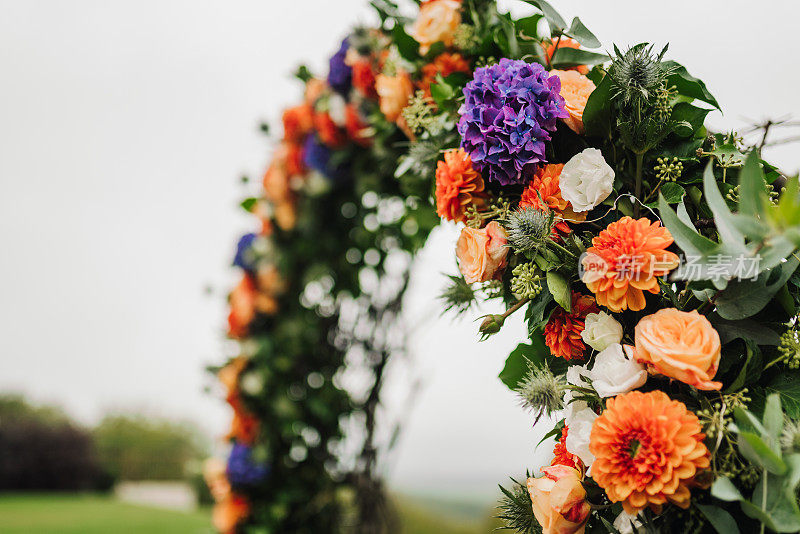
(597, 113)
(249, 203)
(582, 34)
(684, 235)
(788, 386)
(724, 490)
(521, 358)
(529, 26)
(752, 194)
(721, 520)
(406, 45)
(441, 91)
(745, 329)
(688, 85)
(559, 288)
(755, 449)
(673, 193)
(745, 298)
(571, 57)
(773, 417)
(556, 22)
(692, 115)
(730, 235)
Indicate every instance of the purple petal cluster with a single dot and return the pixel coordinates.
(510, 109)
(245, 257)
(340, 74)
(242, 470)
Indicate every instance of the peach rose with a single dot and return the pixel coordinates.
(482, 252)
(437, 21)
(229, 512)
(575, 88)
(559, 500)
(680, 345)
(394, 92)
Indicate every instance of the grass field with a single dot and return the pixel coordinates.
(87, 514)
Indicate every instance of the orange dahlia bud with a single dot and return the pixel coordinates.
(648, 449)
(444, 64)
(544, 193)
(458, 185)
(562, 333)
(564, 42)
(625, 260)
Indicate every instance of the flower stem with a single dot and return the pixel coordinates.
(520, 303)
(638, 187)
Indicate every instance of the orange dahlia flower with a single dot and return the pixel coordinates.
(327, 130)
(648, 450)
(564, 42)
(563, 456)
(364, 78)
(444, 64)
(244, 425)
(356, 128)
(297, 122)
(562, 333)
(458, 185)
(543, 193)
(680, 345)
(625, 260)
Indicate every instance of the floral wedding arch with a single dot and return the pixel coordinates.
(653, 260)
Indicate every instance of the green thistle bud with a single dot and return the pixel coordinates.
(529, 229)
(458, 296)
(790, 439)
(541, 391)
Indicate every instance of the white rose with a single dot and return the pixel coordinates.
(586, 180)
(615, 373)
(626, 523)
(580, 428)
(337, 109)
(601, 330)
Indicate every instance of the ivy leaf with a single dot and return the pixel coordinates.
(688, 85)
(521, 359)
(673, 193)
(582, 34)
(787, 385)
(692, 115)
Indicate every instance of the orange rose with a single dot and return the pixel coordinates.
(680, 345)
(394, 92)
(575, 88)
(559, 500)
(437, 21)
(482, 252)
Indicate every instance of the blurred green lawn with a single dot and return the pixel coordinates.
(88, 514)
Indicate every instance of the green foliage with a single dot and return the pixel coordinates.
(774, 501)
(516, 511)
(137, 447)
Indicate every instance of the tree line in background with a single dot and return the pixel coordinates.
(42, 449)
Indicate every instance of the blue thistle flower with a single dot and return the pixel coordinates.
(242, 470)
(340, 74)
(245, 257)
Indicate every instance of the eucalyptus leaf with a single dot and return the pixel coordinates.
(721, 520)
(597, 113)
(572, 57)
(556, 22)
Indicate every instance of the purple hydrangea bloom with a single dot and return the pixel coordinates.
(340, 74)
(317, 156)
(242, 470)
(510, 109)
(245, 258)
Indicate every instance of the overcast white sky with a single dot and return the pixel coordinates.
(124, 127)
